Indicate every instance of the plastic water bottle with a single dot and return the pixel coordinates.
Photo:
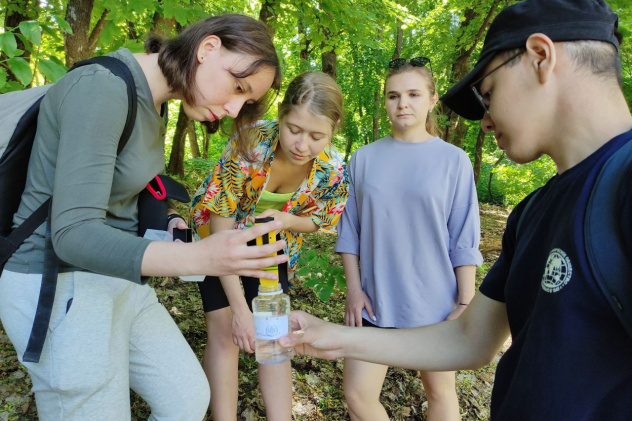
(271, 310)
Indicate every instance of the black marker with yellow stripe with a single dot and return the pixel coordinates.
(280, 270)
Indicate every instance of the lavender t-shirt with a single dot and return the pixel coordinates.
(412, 217)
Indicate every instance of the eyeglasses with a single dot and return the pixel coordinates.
(483, 99)
(415, 62)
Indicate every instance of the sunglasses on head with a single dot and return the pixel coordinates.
(415, 62)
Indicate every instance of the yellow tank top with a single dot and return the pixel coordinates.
(270, 200)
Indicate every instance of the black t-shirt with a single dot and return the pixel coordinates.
(570, 357)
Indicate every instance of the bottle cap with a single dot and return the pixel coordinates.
(268, 282)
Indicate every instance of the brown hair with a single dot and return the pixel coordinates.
(431, 121)
(319, 92)
(177, 58)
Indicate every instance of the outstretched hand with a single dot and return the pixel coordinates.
(315, 337)
(227, 252)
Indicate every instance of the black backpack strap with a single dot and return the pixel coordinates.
(603, 237)
(45, 300)
(51, 262)
(121, 70)
(10, 244)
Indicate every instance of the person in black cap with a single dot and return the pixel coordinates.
(548, 81)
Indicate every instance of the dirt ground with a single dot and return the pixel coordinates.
(318, 391)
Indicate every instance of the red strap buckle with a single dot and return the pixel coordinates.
(161, 194)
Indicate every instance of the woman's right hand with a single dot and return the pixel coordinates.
(356, 301)
(244, 330)
(227, 252)
(223, 253)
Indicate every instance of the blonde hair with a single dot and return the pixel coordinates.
(319, 92)
(431, 122)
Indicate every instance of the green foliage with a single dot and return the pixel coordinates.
(31, 31)
(20, 69)
(512, 182)
(516, 181)
(9, 45)
(319, 268)
(52, 69)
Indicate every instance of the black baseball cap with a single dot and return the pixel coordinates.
(560, 20)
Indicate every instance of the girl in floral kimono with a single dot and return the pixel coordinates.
(289, 170)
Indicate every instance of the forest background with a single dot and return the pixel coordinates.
(352, 40)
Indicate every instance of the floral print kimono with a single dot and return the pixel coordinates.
(235, 186)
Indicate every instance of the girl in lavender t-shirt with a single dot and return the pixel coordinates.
(408, 237)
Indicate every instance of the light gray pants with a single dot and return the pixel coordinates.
(106, 335)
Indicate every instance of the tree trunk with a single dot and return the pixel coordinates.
(376, 114)
(81, 44)
(205, 143)
(163, 26)
(491, 175)
(329, 62)
(328, 57)
(176, 158)
(399, 41)
(195, 148)
(455, 131)
(459, 132)
(348, 148)
(304, 46)
(478, 155)
(267, 15)
(131, 30)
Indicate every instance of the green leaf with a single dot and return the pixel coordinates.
(136, 46)
(310, 255)
(27, 44)
(3, 78)
(337, 271)
(32, 31)
(324, 292)
(140, 5)
(304, 271)
(56, 59)
(11, 86)
(8, 44)
(311, 282)
(54, 33)
(65, 27)
(52, 70)
(21, 70)
(342, 283)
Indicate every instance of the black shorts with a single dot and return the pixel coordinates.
(214, 298)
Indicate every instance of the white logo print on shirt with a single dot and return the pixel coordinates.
(557, 272)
